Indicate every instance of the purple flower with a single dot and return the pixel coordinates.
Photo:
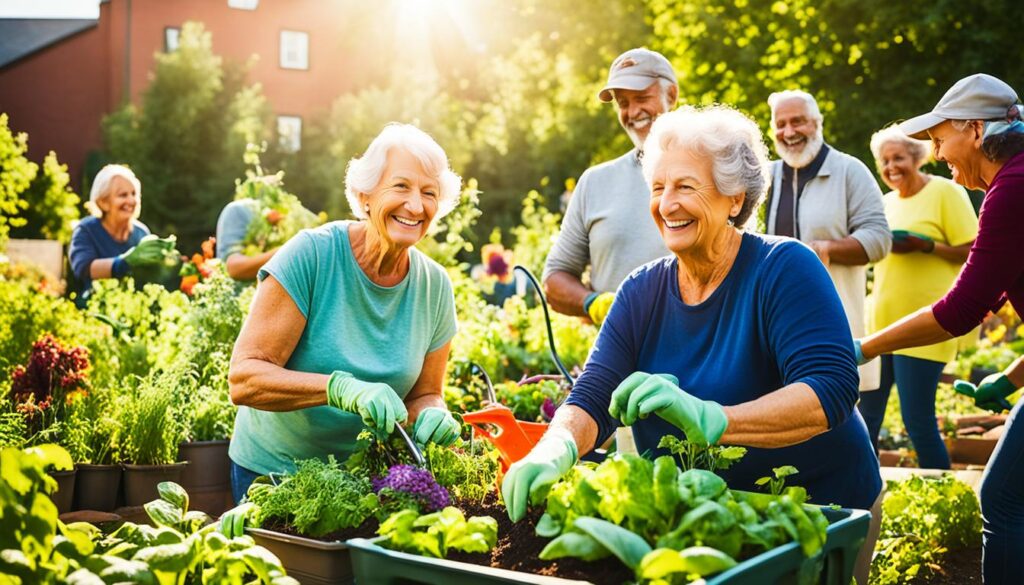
(415, 482)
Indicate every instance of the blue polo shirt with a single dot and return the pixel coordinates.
(775, 320)
(91, 241)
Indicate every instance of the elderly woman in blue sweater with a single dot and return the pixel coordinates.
(734, 338)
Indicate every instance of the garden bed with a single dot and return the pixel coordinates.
(957, 567)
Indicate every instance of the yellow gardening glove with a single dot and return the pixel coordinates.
(597, 306)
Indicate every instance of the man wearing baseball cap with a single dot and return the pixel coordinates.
(976, 129)
(608, 225)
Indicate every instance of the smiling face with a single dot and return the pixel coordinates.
(119, 203)
(797, 135)
(639, 108)
(686, 206)
(897, 165)
(961, 151)
(404, 202)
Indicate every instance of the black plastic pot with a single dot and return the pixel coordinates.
(140, 481)
(312, 562)
(96, 487)
(207, 479)
(65, 493)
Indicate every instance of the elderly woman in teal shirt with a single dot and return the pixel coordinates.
(351, 324)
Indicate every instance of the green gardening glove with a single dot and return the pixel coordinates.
(232, 522)
(147, 252)
(641, 393)
(436, 425)
(990, 394)
(597, 306)
(531, 477)
(377, 404)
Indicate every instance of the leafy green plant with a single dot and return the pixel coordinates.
(150, 414)
(777, 481)
(434, 535)
(16, 174)
(695, 456)
(466, 475)
(319, 498)
(52, 207)
(923, 518)
(527, 400)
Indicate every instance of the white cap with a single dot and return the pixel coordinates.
(636, 69)
(977, 97)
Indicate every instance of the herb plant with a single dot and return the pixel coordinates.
(434, 535)
(695, 456)
(406, 486)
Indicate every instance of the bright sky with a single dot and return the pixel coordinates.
(49, 8)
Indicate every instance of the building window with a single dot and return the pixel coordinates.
(244, 4)
(294, 50)
(171, 35)
(289, 133)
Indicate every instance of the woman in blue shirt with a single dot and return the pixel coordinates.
(735, 338)
(109, 244)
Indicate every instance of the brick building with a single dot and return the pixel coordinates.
(58, 78)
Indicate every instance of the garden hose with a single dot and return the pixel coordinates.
(478, 369)
(547, 321)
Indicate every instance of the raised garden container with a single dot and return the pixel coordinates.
(207, 478)
(312, 562)
(970, 451)
(140, 481)
(97, 487)
(783, 565)
(65, 493)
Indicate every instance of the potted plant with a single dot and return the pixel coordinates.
(150, 433)
(45, 392)
(211, 418)
(98, 482)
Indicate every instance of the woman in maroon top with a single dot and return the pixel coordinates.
(976, 129)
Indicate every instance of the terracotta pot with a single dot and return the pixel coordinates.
(97, 487)
(140, 481)
(207, 479)
(65, 493)
(970, 451)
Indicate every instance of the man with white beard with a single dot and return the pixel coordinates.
(828, 200)
(608, 223)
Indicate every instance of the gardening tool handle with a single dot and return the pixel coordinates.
(477, 369)
(417, 455)
(547, 321)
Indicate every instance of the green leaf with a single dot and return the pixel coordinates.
(173, 494)
(784, 471)
(696, 561)
(125, 571)
(629, 547)
(170, 558)
(83, 577)
(262, 562)
(548, 527)
(163, 513)
(574, 544)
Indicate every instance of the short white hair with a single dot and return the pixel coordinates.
(364, 173)
(101, 187)
(812, 104)
(919, 150)
(730, 139)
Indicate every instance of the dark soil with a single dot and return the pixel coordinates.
(957, 567)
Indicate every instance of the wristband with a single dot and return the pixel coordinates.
(589, 301)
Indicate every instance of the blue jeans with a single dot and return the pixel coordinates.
(1002, 506)
(241, 479)
(916, 381)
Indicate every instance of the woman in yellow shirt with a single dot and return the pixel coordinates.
(933, 226)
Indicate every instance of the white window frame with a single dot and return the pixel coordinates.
(172, 38)
(289, 133)
(294, 50)
(243, 4)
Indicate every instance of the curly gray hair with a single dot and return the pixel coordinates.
(364, 173)
(919, 150)
(729, 138)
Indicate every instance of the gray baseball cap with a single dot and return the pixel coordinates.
(977, 97)
(636, 69)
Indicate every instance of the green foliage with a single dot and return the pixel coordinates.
(149, 409)
(655, 506)
(922, 518)
(187, 139)
(526, 400)
(451, 236)
(434, 535)
(695, 456)
(16, 174)
(777, 481)
(318, 499)
(466, 475)
(51, 207)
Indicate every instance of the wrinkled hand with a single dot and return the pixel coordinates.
(377, 404)
(532, 476)
(436, 425)
(598, 305)
(232, 522)
(641, 394)
(149, 251)
(907, 244)
(990, 394)
(821, 248)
